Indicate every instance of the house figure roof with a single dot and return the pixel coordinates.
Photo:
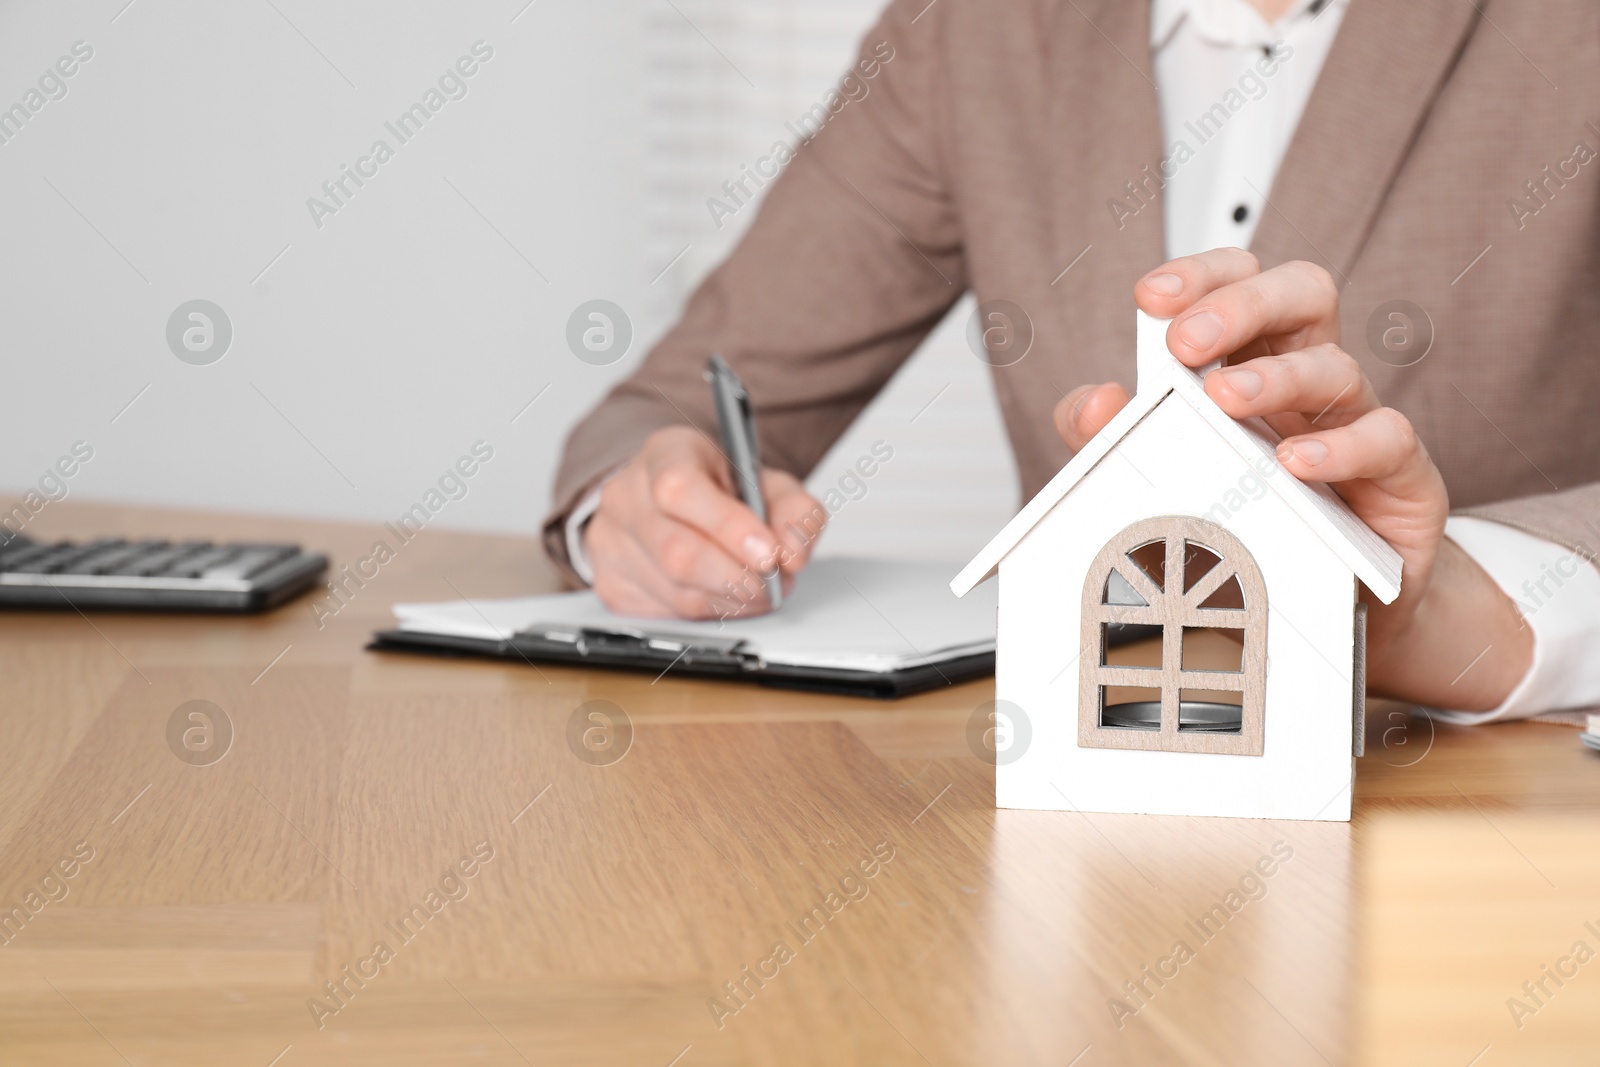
(1161, 375)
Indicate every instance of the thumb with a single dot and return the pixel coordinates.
(1085, 411)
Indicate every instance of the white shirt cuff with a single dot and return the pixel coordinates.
(1558, 591)
(577, 520)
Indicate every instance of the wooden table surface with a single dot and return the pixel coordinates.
(763, 877)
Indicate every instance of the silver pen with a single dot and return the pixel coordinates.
(739, 443)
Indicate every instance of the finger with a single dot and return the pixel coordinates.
(684, 489)
(1322, 383)
(796, 516)
(622, 597)
(1288, 307)
(685, 561)
(1381, 447)
(619, 565)
(608, 551)
(740, 594)
(1174, 286)
(1085, 411)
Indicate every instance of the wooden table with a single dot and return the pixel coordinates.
(764, 877)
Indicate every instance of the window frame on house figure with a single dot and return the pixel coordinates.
(1173, 607)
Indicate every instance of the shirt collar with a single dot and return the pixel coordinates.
(1225, 22)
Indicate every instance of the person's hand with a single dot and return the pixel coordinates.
(1278, 332)
(671, 537)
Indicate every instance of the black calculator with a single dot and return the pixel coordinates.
(153, 575)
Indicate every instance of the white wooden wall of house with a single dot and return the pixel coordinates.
(1173, 462)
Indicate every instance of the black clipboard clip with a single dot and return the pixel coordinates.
(636, 648)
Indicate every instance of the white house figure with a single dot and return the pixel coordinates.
(1177, 519)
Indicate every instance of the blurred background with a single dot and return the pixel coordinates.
(372, 344)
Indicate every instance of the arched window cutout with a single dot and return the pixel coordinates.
(1120, 591)
(1228, 595)
(1202, 687)
(1150, 559)
(1198, 561)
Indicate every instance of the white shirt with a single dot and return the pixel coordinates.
(1229, 109)
(1232, 91)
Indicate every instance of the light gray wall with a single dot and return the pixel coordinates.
(370, 352)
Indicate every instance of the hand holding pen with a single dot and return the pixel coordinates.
(672, 538)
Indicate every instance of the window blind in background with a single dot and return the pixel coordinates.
(723, 78)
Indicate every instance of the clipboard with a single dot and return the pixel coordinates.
(863, 627)
(659, 654)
